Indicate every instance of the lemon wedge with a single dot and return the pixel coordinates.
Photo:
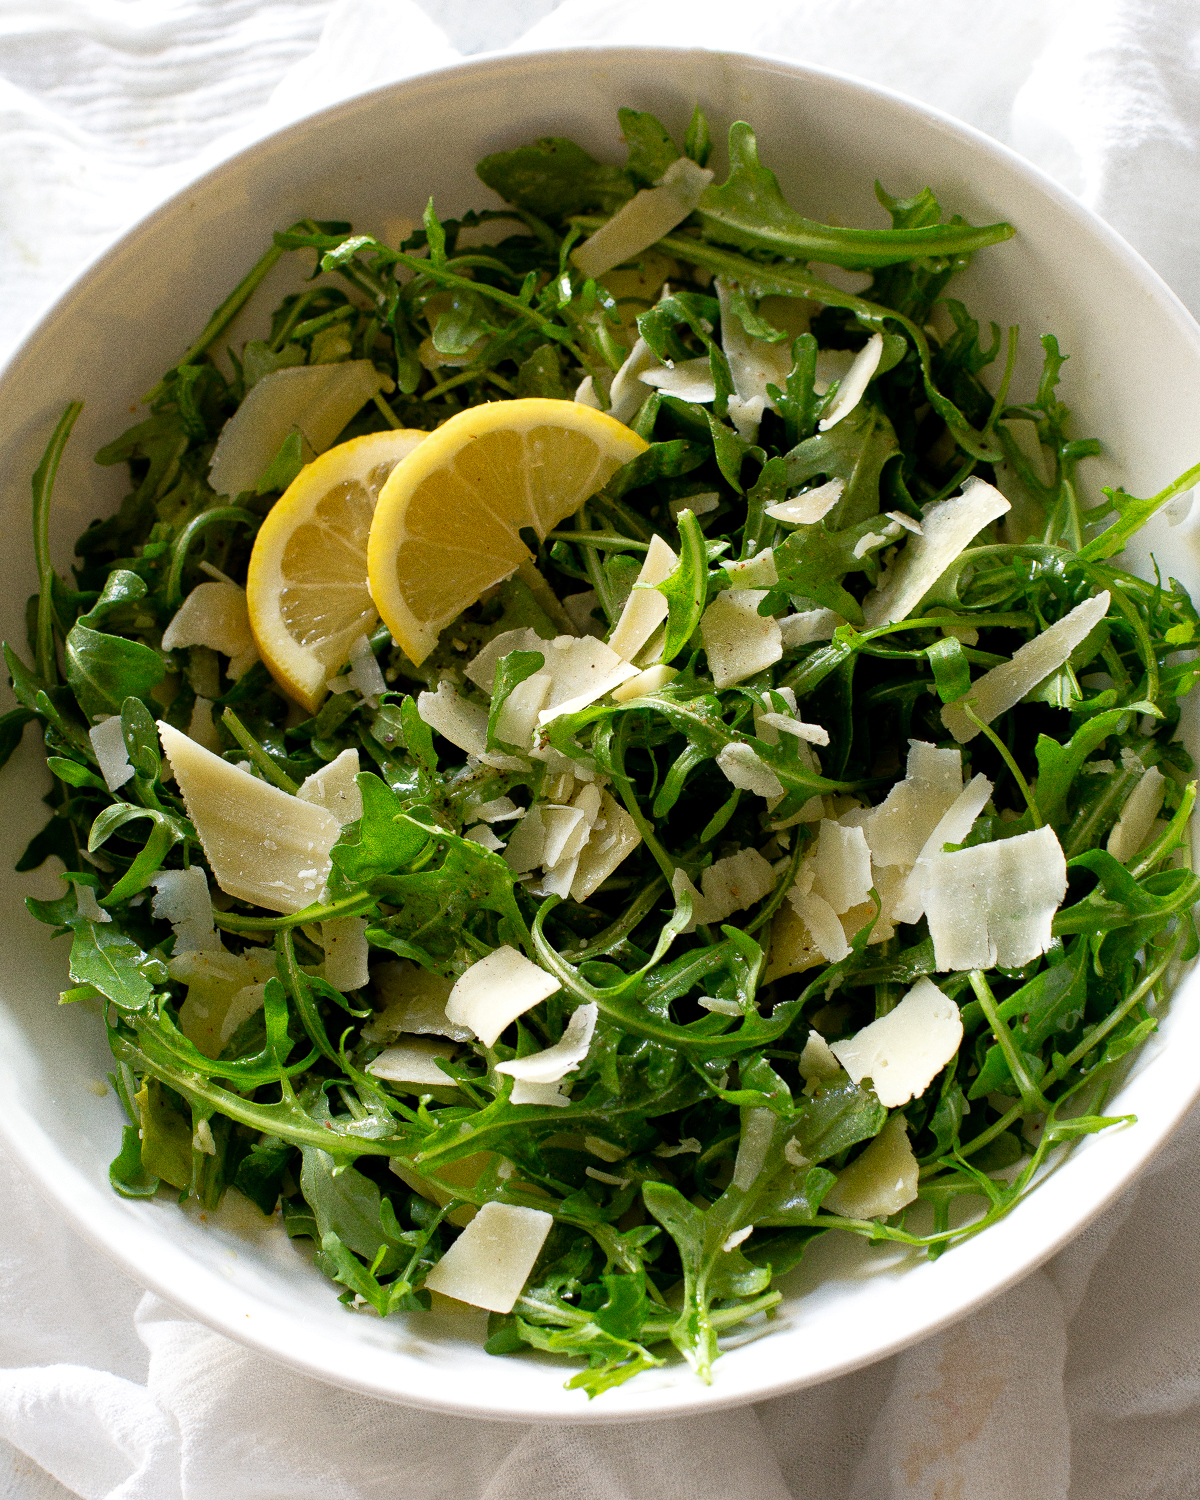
(306, 588)
(449, 518)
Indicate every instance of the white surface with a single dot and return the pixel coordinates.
(993, 1407)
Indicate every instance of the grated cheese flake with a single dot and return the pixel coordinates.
(881, 1181)
(346, 951)
(1002, 687)
(688, 380)
(181, 898)
(538, 1093)
(455, 718)
(809, 507)
(554, 1063)
(490, 1261)
(903, 1050)
(335, 788)
(414, 1000)
(414, 1063)
(649, 681)
(108, 741)
(821, 921)
(899, 826)
(853, 386)
(646, 608)
(744, 767)
(365, 673)
(841, 866)
(262, 845)
(951, 828)
(605, 849)
(737, 639)
(1137, 816)
(947, 528)
(215, 615)
(994, 903)
(497, 989)
(644, 219)
(817, 1062)
(757, 572)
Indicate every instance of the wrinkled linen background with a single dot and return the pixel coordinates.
(1082, 1382)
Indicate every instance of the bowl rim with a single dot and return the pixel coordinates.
(201, 1294)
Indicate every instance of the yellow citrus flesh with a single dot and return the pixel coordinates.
(449, 518)
(306, 588)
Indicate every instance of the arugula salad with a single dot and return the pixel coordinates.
(786, 837)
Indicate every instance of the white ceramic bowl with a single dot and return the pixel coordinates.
(1134, 366)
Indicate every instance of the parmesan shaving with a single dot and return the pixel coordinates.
(645, 683)
(646, 608)
(881, 1181)
(365, 673)
(817, 1062)
(414, 1064)
(947, 527)
(737, 639)
(853, 386)
(742, 765)
(897, 829)
(841, 866)
(215, 615)
(335, 788)
(87, 905)
(644, 219)
(998, 690)
(495, 990)
(822, 923)
(689, 380)
(614, 837)
(758, 572)
(810, 507)
(108, 741)
(414, 1001)
(1137, 816)
(315, 400)
(455, 718)
(699, 505)
(200, 725)
(994, 903)
(482, 835)
(628, 392)
(263, 845)
(498, 810)
(538, 1093)
(951, 828)
(753, 365)
(554, 1063)
(490, 1261)
(181, 898)
(903, 1050)
(811, 625)
(346, 951)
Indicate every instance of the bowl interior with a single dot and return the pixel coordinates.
(1134, 362)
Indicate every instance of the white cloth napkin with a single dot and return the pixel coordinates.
(1083, 1383)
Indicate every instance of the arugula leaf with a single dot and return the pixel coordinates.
(554, 178)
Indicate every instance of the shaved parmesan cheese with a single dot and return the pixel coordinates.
(758, 572)
(998, 690)
(737, 639)
(335, 788)
(699, 505)
(947, 528)
(527, 843)
(777, 699)
(742, 765)
(817, 1062)
(564, 1057)
(889, 882)
(841, 866)
(481, 669)
(538, 1093)
(906, 521)
(646, 608)
(1137, 816)
(753, 365)
(689, 380)
(582, 670)
(346, 950)
(262, 844)
(365, 674)
(181, 898)
(881, 1181)
(200, 725)
(994, 903)
(518, 716)
(951, 828)
(223, 990)
(566, 833)
(644, 219)
(215, 615)
(498, 810)
(455, 718)
(581, 611)
(87, 905)
(758, 1126)
(482, 835)
(898, 828)
(414, 1001)
(721, 1007)
(645, 683)
(853, 387)
(793, 948)
(808, 626)
(495, 991)
(490, 1261)
(615, 836)
(822, 923)
(628, 392)
(315, 400)
(108, 741)
(734, 883)
(812, 734)
(585, 393)
(414, 1064)
(810, 507)
(902, 1051)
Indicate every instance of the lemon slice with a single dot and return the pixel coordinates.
(306, 588)
(448, 520)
